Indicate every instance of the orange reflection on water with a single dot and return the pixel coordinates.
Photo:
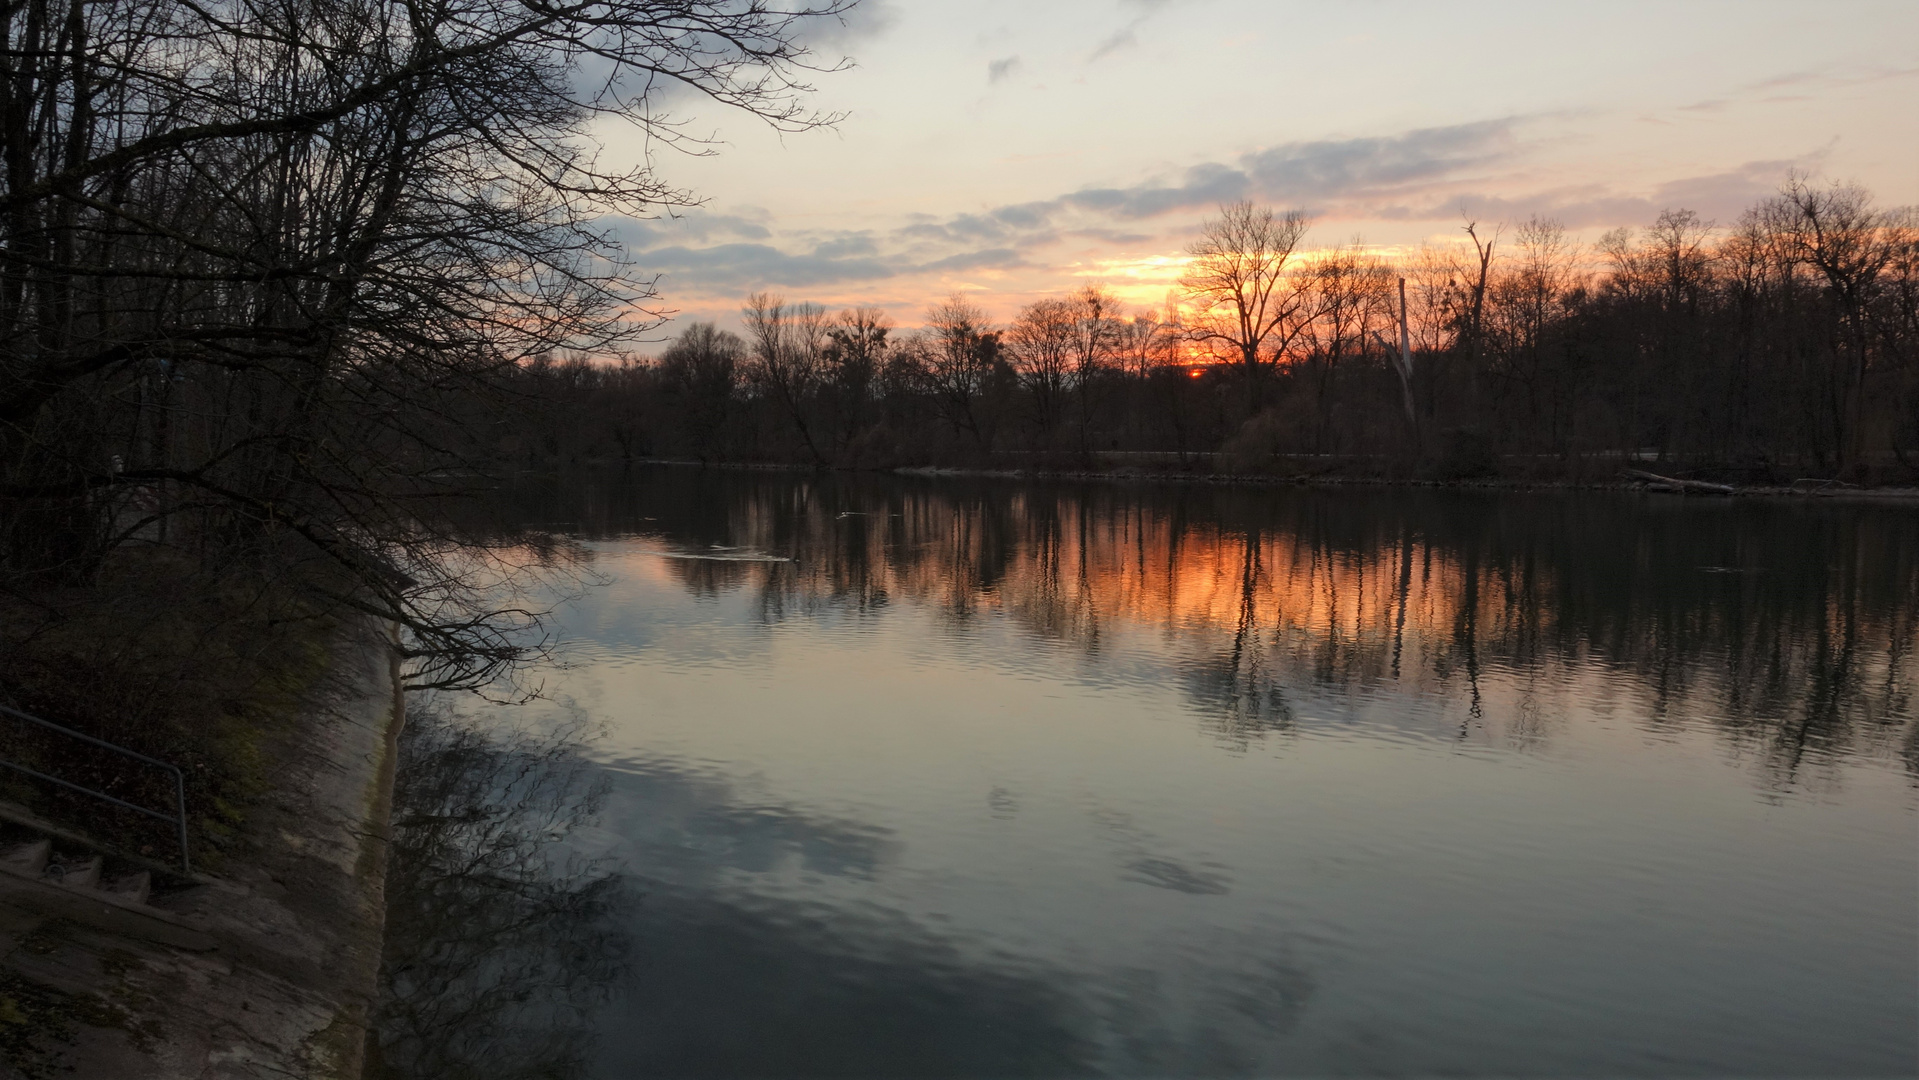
(1499, 610)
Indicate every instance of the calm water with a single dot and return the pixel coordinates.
(952, 777)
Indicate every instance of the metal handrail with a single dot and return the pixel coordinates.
(179, 818)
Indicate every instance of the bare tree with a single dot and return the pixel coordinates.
(1399, 355)
(1525, 308)
(1246, 306)
(855, 352)
(1147, 352)
(1041, 343)
(1435, 309)
(1899, 329)
(1095, 333)
(1470, 304)
(1346, 297)
(788, 351)
(1680, 242)
(698, 375)
(1836, 232)
(1144, 343)
(267, 273)
(960, 350)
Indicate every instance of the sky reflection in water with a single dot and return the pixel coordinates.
(976, 778)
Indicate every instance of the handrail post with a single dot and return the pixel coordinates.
(179, 778)
(180, 803)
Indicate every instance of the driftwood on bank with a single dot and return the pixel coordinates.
(1813, 485)
(1672, 484)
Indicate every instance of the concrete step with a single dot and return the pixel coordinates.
(36, 883)
(83, 873)
(29, 858)
(133, 888)
(46, 897)
(13, 814)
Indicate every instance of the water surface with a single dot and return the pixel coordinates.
(945, 777)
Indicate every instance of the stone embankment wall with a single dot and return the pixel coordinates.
(267, 968)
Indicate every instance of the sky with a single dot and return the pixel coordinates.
(1010, 151)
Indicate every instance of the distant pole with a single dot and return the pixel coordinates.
(1405, 342)
(1406, 370)
(1403, 363)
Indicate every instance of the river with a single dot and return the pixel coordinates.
(905, 776)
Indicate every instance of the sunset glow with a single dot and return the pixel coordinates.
(1011, 153)
(884, 538)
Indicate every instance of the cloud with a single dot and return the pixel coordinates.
(703, 252)
(1342, 170)
(1351, 167)
(1345, 170)
(1768, 90)
(710, 253)
(1003, 68)
(1725, 195)
(847, 245)
(1123, 38)
(752, 266)
(1201, 185)
(1424, 175)
(865, 21)
(1720, 197)
(1127, 36)
(744, 267)
(699, 226)
(990, 259)
(1111, 237)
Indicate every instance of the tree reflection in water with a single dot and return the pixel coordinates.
(500, 937)
(1785, 625)
(1485, 802)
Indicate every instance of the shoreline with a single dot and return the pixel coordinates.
(1821, 490)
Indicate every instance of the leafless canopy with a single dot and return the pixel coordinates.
(1238, 279)
(264, 265)
(958, 351)
(1041, 342)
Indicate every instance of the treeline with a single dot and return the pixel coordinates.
(1782, 346)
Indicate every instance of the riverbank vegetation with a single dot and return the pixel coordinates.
(268, 275)
(1780, 346)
